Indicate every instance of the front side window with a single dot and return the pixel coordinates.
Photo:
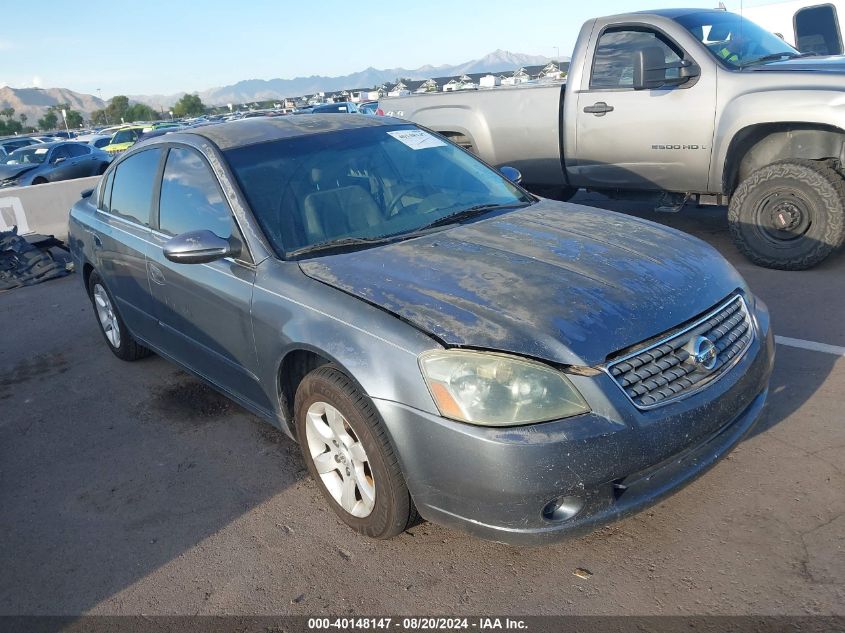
(370, 183)
(735, 41)
(613, 64)
(817, 30)
(77, 150)
(132, 189)
(191, 199)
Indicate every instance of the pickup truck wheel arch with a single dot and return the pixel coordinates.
(756, 146)
(789, 215)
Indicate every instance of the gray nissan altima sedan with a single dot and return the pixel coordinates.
(438, 340)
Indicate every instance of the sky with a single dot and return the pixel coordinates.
(102, 47)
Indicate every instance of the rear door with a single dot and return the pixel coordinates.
(123, 238)
(80, 162)
(642, 139)
(203, 309)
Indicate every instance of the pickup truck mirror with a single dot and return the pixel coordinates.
(511, 173)
(650, 69)
(199, 247)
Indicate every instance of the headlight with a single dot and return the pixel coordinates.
(491, 389)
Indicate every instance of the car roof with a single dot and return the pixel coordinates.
(677, 13)
(242, 132)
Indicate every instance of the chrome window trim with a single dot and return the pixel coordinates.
(722, 371)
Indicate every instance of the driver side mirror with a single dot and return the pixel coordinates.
(199, 247)
(512, 174)
(650, 69)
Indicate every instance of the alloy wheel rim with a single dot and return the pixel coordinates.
(106, 315)
(340, 459)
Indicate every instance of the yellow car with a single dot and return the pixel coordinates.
(124, 138)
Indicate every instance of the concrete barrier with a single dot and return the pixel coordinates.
(41, 208)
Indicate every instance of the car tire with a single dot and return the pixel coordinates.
(789, 215)
(39, 181)
(114, 330)
(348, 453)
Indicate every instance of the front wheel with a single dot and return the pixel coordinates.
(789, 215)
(347, 452)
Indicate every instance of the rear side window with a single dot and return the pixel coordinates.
(105, 190)
(817, 30)
(613, 63)
(132, 190)
(77, 150)
(191, 199)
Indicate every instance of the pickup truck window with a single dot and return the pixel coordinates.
(613, 63)
(733, 40)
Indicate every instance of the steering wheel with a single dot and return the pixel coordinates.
(422, 187)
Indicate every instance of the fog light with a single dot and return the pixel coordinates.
(562, 508)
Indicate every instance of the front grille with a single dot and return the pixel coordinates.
(669, 369)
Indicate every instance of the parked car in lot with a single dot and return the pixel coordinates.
(676, 104)
(436, 338)
(370, 108)
(124, 138)
(95, 140)
(340, 107)
(51, 162)
(9, 145)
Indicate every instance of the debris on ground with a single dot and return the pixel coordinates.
(583, 573)
(30, 259)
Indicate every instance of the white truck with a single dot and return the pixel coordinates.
(676, 105)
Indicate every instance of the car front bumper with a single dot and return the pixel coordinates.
(615, 461)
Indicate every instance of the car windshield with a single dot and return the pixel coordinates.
(735, 41)
(26, 155)
(368, 183)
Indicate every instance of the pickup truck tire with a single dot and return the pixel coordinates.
(114, 330)
(339, 429)
(789, 215)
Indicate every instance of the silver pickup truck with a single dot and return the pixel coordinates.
(678, 105)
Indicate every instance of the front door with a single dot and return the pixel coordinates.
(203, 309)
(642, 139)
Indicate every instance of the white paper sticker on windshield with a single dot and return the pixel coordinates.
(41, 150)
(417, 139)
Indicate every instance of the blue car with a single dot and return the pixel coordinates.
(438, 340)
(50, 162)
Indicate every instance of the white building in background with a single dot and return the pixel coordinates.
(399, 90)
(429, 85)
(519, 76)
(489, 81)
(552, 71)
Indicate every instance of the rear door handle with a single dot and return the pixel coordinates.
(599, 109)
(156, 275)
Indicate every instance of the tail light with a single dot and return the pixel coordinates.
(379, 112)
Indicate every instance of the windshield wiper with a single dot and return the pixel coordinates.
(340, 243)
(471, 212)
(775, 56)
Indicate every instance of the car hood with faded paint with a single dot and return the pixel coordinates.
(561, 282)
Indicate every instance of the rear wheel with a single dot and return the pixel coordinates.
(347, 452)
(39, 181)
(112, 327)
(789, 215)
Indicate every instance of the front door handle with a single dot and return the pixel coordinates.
(156, 275)
(599, 109)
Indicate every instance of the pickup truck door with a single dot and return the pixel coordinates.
(656, 139)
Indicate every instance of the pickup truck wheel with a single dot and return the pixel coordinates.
(789, 215)
(112, 327)
(347, 452)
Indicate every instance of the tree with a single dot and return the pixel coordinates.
(23, 118)
(189, 105)
(116, 110)
(99, 117)
(140, 112)
(7, 112)
(74, 119)
(48, 121)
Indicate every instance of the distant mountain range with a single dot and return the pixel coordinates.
(34, 101)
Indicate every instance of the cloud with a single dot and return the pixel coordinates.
(37, 82)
